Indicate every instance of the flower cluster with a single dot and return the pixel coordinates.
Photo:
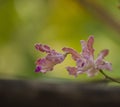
(47, 63)
(85, 62)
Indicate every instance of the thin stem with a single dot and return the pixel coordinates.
(110, 78)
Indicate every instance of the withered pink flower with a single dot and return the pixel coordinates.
(47, 63)
(85, 62)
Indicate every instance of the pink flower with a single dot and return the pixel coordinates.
(47, 63)
(85, 62)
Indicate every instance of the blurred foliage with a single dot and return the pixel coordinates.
(57, 23)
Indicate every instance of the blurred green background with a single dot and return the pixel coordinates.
(57, 23)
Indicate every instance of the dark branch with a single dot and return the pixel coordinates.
(101, 13)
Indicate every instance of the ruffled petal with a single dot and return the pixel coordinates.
(87, 47)
(72, 70)
(90, 45)
(43, 48)
(101, 56)
(75, 55)
(55, 59)
(52, 58)
(105, 66)
(91, 72)
(103, 53)
(100, 63)
(85, 51)
(44, 65)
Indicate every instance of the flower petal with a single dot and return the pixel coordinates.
(43, 48)
(105, 66)
(90, 44)
(43, 65)
(52, 58)
(103, 53)
(57, 58)
(38, 68)
(75, 55)
(84, 48)
(72, 71)
(92, 72)
(87, 47)
(100, 63)
(101, 56)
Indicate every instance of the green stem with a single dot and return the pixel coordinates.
(110, 78)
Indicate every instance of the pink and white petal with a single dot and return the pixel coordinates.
(103, 53)
(84, 47)
(90, 43)
(72, 70)
(100, 58)
(42, 48)
(44, 65)
(75, 55)
(44, 70)
(91, 72)
(105, 66)
(85, 51)
(58, 58)
(80, 71)
(87, 47)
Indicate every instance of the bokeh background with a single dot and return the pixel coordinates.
(57, 23)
